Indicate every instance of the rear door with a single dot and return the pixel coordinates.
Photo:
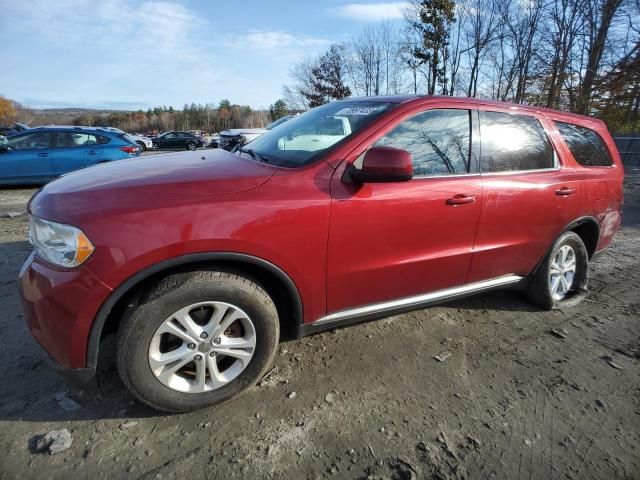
(75, 149)
(530, 194)
(174, 140)
(601, 177)
(393, 240)
(28, 158)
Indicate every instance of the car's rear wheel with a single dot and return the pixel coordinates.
(197, 339)
(191, 146)
(142, 146)
(561, 279)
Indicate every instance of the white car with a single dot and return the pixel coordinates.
(238, 136)
(241, 136)
(144, 142)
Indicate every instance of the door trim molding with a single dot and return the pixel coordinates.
(382, 309)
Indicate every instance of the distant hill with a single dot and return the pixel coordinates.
(64, 116)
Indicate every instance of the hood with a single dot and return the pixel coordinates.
(232, 132)
(148, 182)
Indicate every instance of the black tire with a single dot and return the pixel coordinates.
(539, 290)
(142, 146)
(191, 146)
(168, 296)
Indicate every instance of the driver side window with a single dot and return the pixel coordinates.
(439, 141)
(30, 140)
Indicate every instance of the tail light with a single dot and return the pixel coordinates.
(130, 149)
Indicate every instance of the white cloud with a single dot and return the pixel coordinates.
(373, 12)
(88, 52)
(276, 40)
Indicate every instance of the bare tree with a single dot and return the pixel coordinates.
(561, 32)
(599, 18)
(480, 17)
(365, 62)
(302, 75)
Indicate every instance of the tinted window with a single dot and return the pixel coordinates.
(75, 139)
(439, 141)
(586, 145)
(30, 140)
(513, 142)
(102, 140)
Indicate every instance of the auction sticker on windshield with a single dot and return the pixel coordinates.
(357, 111)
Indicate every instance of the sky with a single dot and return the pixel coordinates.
(130, 54)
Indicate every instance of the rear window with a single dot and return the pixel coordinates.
(586, 146)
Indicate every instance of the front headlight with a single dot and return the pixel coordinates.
(59, 244)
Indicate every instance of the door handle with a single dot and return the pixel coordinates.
(92, 152)
(43, 154)
(460, 199)
(565, 191)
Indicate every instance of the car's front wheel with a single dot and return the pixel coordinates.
(191, 146)
(561, 278)
(142, 146)
(197, 339)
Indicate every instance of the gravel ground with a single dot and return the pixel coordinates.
(514, 399)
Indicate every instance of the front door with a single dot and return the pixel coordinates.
(393, 240)
(28, 158)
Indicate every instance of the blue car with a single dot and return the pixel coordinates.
(40, 154)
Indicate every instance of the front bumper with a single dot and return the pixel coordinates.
(59, 309)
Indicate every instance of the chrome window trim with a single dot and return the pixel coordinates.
(418, 300)
(454, 175)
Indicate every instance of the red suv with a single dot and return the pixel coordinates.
(358, 209)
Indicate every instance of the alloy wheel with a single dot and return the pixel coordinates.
(202, 347)
(562, 271)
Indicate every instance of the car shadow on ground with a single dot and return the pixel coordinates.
(42, 396)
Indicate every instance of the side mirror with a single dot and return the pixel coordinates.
(4, 148)
(384, 164)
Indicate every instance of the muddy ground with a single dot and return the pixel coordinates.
(513, 400)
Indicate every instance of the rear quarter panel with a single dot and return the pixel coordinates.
(601, 187)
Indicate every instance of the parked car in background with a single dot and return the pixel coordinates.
(144, 142)
(40, 154)
(6, 132)
(234, 137)
(213, 141)
(182, 140)
(198, 262)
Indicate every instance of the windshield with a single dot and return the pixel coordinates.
(303, 138)
(272, 125)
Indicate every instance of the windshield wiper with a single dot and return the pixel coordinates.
(255, 155)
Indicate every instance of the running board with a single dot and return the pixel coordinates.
(384, 309)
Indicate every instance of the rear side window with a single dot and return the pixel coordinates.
(77, 139)
(586, 146)
(439, 141)
(513, 142)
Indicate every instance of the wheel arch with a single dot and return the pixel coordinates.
(278, 284)
(587, 228)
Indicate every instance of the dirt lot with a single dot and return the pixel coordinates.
(513, 400)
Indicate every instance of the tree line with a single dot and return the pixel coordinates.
(208, 118)
(581, 56)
